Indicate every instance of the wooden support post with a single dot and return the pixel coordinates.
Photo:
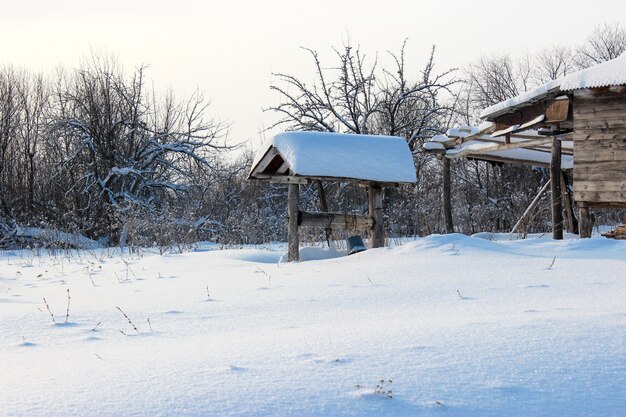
(555, 188)
(293, 197)
(532, 206)
(572, 226)
(586, 222)
(376, 215)
(447, 196)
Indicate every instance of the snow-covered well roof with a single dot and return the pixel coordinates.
(606, 74)
(336, 156)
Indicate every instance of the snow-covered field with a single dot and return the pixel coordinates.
(463, 326)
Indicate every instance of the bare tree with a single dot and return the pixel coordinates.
(607, 41)
(494, 79)
(551, 63)
(126, 149)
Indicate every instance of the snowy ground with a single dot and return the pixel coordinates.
(463, 326)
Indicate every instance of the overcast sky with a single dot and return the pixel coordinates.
(229, 49)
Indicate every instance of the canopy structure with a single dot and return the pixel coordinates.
(525, 147)
(296, 158)
(335, 156)
(581, 116)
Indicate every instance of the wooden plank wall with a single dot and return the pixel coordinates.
(600, 147)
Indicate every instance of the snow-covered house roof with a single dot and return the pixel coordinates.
(607, 74)
(328, 155)
(485, 144)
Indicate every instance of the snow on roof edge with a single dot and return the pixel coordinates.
(522, 99)
(606, 74)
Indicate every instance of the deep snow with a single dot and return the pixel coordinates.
(464, 326)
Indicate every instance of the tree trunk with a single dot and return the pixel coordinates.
(447, 196)
(376, 215)
(324, 208)
(293, 197)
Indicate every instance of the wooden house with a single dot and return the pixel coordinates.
(582, 114)
(297, 158)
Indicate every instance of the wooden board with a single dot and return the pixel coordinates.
(600, 147)
(557, 111)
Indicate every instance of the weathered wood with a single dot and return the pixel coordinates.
(599, 94)
(567, 144)
(586, 222)
(581, 135)
(293, 197)
(607, 185)
(615, 197)
(335, 220)
(598, 155)
(557, 110)
(494, 158)
(288, 179)
(376, 216)
(601, 122)
(595, 145)
(595, 175)
(531, 207)
(600, 147)
(591, 113)
(269, 156)
(555, 188)
(603, 205)
(502, 147)
(521, 115)
(570, 219)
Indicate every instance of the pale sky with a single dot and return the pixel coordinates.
(229, 49)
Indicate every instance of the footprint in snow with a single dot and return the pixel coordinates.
(27, 344)
(538, 286)
(332, 361)
(173, 312)
(234, 368)
(66, 324)
(92, 339)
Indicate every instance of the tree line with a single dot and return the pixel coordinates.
(94, 150)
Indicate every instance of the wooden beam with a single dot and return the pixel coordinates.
(532, 206)
(288, 179)
(555, 188)
(376, 216)
(501, 147)
(293, 197)
(334, 220)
